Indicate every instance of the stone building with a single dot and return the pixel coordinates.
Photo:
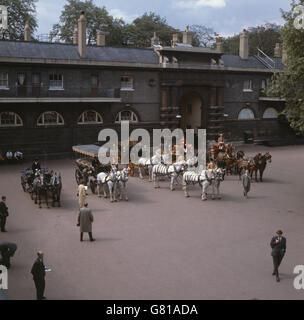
(54, 95)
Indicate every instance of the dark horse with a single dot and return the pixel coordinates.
(259, 164)
(55, 187)
(41, 188)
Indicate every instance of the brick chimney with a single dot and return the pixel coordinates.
(75, 34)
(219, 44)
(187, 36)
(27, 32)
(82, 36)
(154, 40)
(277, 50)
(101, 38)
(244, 48)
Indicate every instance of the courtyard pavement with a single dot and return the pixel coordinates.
(161, 245)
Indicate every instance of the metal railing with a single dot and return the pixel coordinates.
(265, 59)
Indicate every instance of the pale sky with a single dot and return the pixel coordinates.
(226, 17)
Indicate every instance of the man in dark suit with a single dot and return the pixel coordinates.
(36, 165)
(38, 272)
(278, 245)
(3, 214)
(7, 250)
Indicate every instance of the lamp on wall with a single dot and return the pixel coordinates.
(179, 118)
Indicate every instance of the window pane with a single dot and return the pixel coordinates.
(50, 117)
(94, 81)
(4, 79)
(21, 79)
(270, 113)
(35, 79)
(8, 118)
(246, 114)
(125, 116)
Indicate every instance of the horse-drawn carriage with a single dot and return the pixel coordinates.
(88, 166)
(42, 184)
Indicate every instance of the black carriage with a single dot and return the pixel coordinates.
(88, 166)
(50, 186)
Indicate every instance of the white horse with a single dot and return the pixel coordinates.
(148, 163)
(205, 179)
(172, 171)
(108, 180)
(122, 180)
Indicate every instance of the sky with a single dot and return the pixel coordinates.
(226, 17)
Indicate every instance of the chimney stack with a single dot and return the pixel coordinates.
(187, 36)
(101, 38)
(284, 56)
(219, 44)
(154, 40)
(277, 50)
(174, 39)
(75, 34)
(82, 36)
(27, 32)
(244, 48)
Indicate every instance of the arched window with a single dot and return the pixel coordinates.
(90, 117)
(126, 115)
(50, 118)
(270, 113)
(246, 114)
(10, 119)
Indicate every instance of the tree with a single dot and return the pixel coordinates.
(288, 84)
(141, 30)
(203, 36)
(96, 17)
(263, 37)
(20, 11)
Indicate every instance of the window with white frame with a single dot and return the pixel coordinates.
(270, 113)
(56, 81)
(126, 82)
(50, 118)
(90, 117)
(3, 80)
(263, 84)
(126, 115)
(247, 85)
(10, 119)
(246, 114)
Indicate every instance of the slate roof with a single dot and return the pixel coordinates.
(43, 50)
(235, 61)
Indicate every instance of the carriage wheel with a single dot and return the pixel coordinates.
(78, 176)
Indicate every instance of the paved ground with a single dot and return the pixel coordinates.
(161, 245)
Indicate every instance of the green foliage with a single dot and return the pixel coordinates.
(20, 11)
(141, 30)
(96, 17)
(263, 37)
(289, 84)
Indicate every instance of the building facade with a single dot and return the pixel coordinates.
(54, 96)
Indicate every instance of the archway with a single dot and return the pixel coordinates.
(191, 111)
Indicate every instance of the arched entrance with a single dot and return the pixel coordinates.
(191, 111)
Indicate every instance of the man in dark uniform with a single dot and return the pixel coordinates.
(221, 164)
(278, 245)
(38, 272)
(3, 214)
(36, 165)
(7, 250)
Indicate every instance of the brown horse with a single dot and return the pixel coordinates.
(259, 164)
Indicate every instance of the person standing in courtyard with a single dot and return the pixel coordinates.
(81, 194)
(38, 272)
(7, 250)
(246, 181)
(85, 220)
(3, 214)
(278, 246)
